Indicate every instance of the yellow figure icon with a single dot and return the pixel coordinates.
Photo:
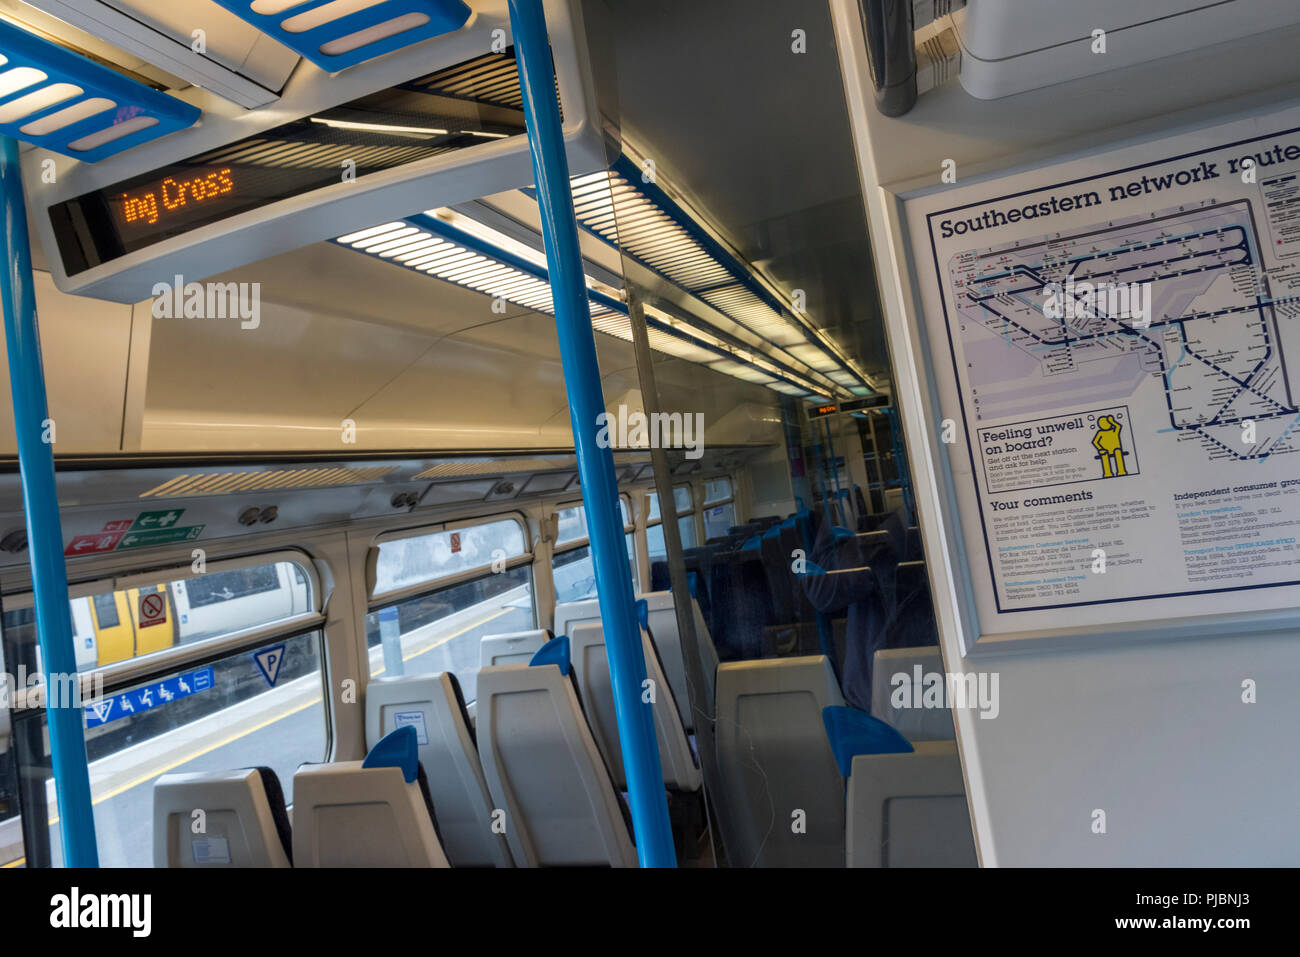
(1108, 447)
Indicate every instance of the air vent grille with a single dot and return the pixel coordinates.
(463, 467)
(222, 483)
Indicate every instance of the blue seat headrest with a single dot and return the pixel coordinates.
(399, 748)
(643, 613)
(853, 732)
(554, 652)
(693, 584)
(773, 532)
(753, 543)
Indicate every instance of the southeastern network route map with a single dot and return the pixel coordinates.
(1222, 342)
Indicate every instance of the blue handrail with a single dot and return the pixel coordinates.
(44, 533)
(636, 731)
(95, 100)
(337, 42)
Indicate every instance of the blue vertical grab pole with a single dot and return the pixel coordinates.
(636, 732)
(44, 534)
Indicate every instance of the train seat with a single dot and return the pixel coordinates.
(855, 592)
(909, 809)
(896, 527)
(544, 769)
(244, 822)
(661, 622)
(782, 795)
(660, 578)
(514, 648)
(780, 580)
(742, 604)
(591, 671)
(371, 813)
(913, 549)
(913, 621)
(435, 707)
(897, 709)
(570, 613)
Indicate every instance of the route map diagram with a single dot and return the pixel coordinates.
(1113, 345)
(1223, 339)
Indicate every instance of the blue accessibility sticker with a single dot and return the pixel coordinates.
(150, 696)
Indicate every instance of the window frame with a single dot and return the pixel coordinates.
(376, 600)
(652, 495)
(705, 502)
(629, 527)
(133, 670)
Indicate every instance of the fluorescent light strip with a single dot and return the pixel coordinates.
(378, 127)
(421, 251)
(624, 217)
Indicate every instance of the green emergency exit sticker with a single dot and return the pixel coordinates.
(162, 536)
(149, 521)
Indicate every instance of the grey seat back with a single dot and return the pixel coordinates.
(569, 614)
(218, 819)
(898, 682)
(433, 705)
(909, 810)
(543, 767)
(662, 618)
(776, 766)
(347, 815)
(515, 648)
(591, 670)
(668, 640)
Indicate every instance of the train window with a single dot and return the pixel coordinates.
(574, 572)
(717, 491)
(414, 560)
(456, 585)
(718, 519)
(719, 509)
(441, 630)
(572, 526)
(105, 610)
(654, 537)
(681, 498)
(262, 706)
(127, 618)
(654, 534)
(236, 583)
(572, 569)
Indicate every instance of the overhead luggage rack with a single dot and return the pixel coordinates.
(59, 100)
(337, 34)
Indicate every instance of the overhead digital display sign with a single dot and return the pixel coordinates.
(172, 199)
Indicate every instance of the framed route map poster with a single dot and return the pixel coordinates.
(1115, 348)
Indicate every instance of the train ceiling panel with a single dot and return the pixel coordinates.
(437, 121)
(735, 320)
(235, 60)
